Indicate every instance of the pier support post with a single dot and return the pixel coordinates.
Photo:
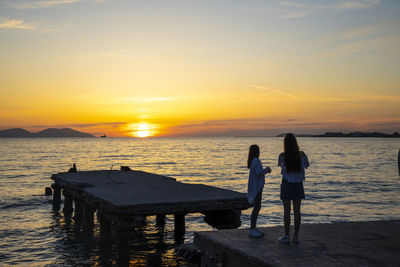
(122, 242)
(67, 203)
(56, 196)
(179, 227)
(105, 226)
(78, 214)
(88, 217)
(160, 220)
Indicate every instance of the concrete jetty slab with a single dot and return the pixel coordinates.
(138, 193)
(374, 243)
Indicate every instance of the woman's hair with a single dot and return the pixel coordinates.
(254, 152)
(292, 154)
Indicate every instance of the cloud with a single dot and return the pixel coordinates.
(302, 9)
(378, 47)
(19, 24)
(295, 15)
(271, 127)
(41, 4)
(357, 33)
(301, 5)
(6, 23)
(355, 5)
(271, 90)
(48, 3)
(80, 125)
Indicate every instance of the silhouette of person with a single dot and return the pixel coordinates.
(255, 187)
(292, 162)
(73, 169)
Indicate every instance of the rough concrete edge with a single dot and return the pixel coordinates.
(210, 242)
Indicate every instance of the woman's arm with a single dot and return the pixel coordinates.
(281, 160)
(258, 168)
(304, 160)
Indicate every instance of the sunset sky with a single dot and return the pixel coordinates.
(200, 68)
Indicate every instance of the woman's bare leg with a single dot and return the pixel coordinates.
(297, 216)
(286, 215)
(256, 210)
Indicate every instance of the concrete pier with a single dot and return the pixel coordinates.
(125, 198)
(339, 244)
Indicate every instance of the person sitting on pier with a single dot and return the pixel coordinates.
(255, 187)
(73, 169)
(292, 163)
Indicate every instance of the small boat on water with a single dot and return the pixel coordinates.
(103, 136)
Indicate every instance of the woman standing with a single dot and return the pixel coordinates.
(255, 187)
(292, 163)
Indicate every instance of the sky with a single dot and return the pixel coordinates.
(200, 68)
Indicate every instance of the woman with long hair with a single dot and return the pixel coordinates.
(293, 163)
(255, 187)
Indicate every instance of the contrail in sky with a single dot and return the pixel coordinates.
(271, 90)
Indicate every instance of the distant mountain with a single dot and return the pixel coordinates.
(50, 132)
(64, 132)
(15, 132)
(352, 134)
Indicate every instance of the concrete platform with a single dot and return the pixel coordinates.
(137, 192)
(338, 244)
(126, 197)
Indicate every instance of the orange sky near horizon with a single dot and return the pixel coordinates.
(200, 68)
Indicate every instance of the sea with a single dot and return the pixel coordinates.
(349, 179)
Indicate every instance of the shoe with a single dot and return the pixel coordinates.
(261, 233)
(254, 233)
(296, 239)
(285, 239)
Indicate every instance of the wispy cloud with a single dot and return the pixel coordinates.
(295, 15)
(373, 48)
(302, 5)
(47, 3)
(271, 90)
(356, 33)
(19, 24)
(271, 127)
(302, 9)
(41, 4)
(80, 125)
(355, 5)
(7, 23)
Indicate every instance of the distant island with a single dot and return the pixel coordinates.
(352, 134)
(50, 132)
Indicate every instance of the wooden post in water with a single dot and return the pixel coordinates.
(105, 226)
(56, 196)
(122, 243)
(78, 214)
(179, 227)
(160, 220)
(88, 217)
(67, 203)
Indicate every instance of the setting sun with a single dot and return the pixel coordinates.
(142, 130)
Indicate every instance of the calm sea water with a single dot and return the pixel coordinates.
(348, 180)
